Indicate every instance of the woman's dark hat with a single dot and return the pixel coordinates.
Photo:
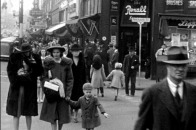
(75, 47)
(25, 47)
(177, 55)
(57, 46)
(87, 86)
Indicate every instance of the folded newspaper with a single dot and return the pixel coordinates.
(51, 86)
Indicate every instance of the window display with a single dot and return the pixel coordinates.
(182, 36)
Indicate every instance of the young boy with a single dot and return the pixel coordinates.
(88, 104)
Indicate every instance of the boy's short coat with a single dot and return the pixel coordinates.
(90, 115)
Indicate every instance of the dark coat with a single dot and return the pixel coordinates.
(90, 115)
(158, 111)
(60, 109)
(79, 75)
(29, 82)
(128, 62)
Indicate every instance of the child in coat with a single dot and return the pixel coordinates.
(97, 74)
(88, 104)
(117, 77)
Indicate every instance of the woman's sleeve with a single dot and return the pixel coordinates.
(103, 73)
(12, 70)
(69, 80)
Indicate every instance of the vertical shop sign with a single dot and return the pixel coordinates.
(36, 4)
(134, 9)
(174, 5)
(114, 5)
(113, 40)
(114, 20)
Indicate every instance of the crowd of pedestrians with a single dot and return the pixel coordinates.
(79, 74)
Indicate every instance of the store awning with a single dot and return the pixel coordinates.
(54, 28)
(177, 16)
(74, 21)
(165, 18)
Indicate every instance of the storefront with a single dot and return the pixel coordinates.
(129, 31)
(175, 25)
(180, 30)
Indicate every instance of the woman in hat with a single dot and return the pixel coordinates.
(23, 69)
(57, 67)
(79, 74)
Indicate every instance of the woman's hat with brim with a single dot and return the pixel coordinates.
(177, 55)
(87, 86)
(75, 47)
(57, 46)
(25, 47)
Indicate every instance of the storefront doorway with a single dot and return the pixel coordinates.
(129, 37)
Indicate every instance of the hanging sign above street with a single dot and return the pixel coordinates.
(141, 20)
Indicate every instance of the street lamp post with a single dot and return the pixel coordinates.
(21, 21)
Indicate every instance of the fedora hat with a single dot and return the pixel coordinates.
(177, 55)
(57, 46)
(75, 47)
(25, 47)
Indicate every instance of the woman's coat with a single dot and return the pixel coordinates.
(29, 82)
(97, 77)
(59, 109)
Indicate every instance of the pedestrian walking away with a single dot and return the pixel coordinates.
(117, 77)
(23, 69)
(89, 106)
(130, 67)
(97, 74)
(57, 70)
(79, 74)
(171, 103)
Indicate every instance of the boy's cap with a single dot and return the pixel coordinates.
(87, 86)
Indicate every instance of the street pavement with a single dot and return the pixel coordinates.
(123, 113)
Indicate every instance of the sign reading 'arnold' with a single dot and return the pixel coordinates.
(136, 11)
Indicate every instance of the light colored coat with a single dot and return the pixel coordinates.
(117, 77)
(98, 76)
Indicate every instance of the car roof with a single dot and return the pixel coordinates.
(9, 39)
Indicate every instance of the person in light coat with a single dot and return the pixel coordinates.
(118, 80)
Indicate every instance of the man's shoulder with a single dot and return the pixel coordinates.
(157, 86)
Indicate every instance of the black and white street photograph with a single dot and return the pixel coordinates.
(98, 65)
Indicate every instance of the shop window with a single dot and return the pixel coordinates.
(62, 16)
(180, 32)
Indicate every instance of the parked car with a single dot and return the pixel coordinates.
(7, 45)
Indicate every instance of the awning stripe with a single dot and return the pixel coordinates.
(52, 29)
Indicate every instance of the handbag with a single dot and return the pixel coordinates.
(51, 91)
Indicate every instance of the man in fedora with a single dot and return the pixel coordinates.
(130, 67)
(171, 103)
(23, 69)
